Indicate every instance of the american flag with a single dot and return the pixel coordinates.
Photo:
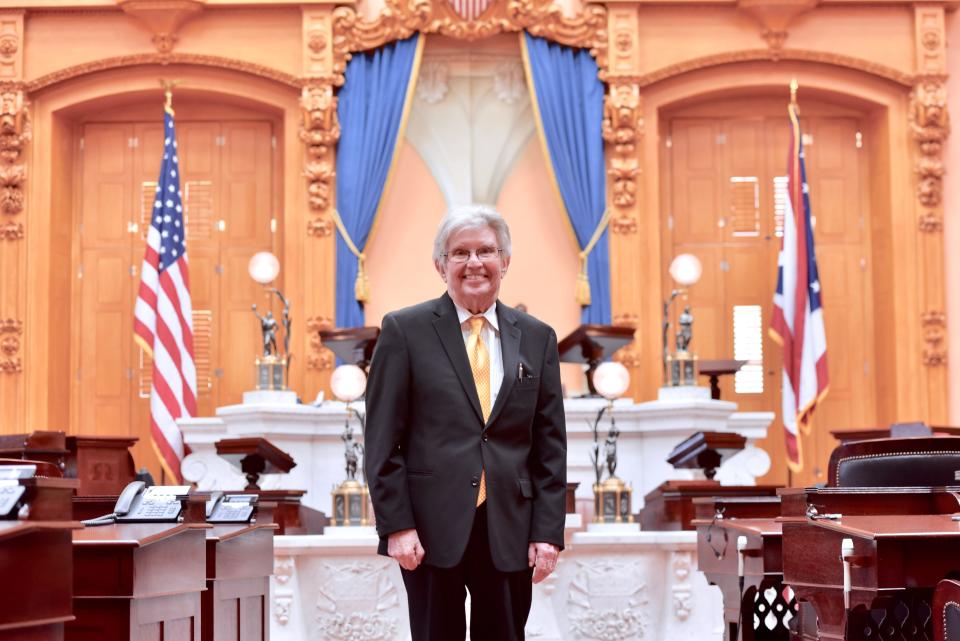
(163, 316)
(797, 311)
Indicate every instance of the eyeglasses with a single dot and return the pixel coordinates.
(483, 254)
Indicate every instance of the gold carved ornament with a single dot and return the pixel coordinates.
(402, 18)
(934, 333)
(622, 130)
(319, 132)
(10, 332)
(14, 135)
(319, 358)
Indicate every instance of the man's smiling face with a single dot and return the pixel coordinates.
(475, 284)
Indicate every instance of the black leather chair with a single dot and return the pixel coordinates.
(946, 611)
(896, 462)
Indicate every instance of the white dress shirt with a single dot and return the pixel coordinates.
(490, 335)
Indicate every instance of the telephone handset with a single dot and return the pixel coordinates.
(11, 491)
(159, 503)
(139, 503)
(231, 508)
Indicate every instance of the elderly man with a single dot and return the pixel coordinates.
(466, 442)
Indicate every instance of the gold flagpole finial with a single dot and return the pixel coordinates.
(794, 85)
(168, 86)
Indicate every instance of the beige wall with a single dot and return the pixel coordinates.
(543, 269)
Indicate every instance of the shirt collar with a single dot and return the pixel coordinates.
(490, 315)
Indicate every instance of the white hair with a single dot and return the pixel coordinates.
(471, 217)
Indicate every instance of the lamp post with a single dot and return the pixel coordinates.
(273, 369)
(680, 368)
(351, 497)
(611, 496)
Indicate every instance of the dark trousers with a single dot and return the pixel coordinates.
(499, 601)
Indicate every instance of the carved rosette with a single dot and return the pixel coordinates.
(283, 569)
(319, 131)
(11, 331)
(319, 357)
(682, 590)
(934, 332)
(14, 135)
(930, 125)
(622, 130)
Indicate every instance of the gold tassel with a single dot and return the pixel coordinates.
(583, 283)
(361, 287)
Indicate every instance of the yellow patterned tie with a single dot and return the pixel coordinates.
(480, 366)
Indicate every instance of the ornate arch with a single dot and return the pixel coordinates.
(775, 55)
(165, 59)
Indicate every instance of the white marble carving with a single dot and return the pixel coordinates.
(509, 83)
(432, 83)
(471, 122)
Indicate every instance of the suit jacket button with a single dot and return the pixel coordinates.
(475, 482)
(484, 438)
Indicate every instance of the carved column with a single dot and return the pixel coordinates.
(319, 132)
(14, 136)
(929, 125)
(623, 133)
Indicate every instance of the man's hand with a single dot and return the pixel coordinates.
(404, 546)
(543, 559)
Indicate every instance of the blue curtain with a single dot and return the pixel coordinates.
(370, 109)
(569, 96)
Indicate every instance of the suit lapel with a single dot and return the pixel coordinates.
(510, 346)
(451, 336)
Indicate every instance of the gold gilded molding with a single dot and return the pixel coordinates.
(14, 135)
(402, 18)
(930, 126)
(761, 55)
(319, 131)
(319, 357)
(934, 332)
(201, 60)
(11, 331)
(622, 131)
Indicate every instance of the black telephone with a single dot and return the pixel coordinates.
(231, 508)
(11, 491)
(139, 503)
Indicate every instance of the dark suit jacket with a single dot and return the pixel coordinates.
(426, 443)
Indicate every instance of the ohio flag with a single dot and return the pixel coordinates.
(797, 312)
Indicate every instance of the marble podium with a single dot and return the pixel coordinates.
(610, 584)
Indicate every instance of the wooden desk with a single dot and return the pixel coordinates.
(670, 506)
(750, 580)
(132, 581)
(37, 586)
(103, 464)
(904, 542)
(236, 604)
(36, 565)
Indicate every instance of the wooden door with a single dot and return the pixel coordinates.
(227, 182)
(726, 187)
